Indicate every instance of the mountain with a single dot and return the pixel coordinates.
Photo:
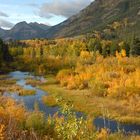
(23, 30)
(97, 16)
(36, 25)
(3, 33)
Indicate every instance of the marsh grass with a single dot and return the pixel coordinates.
(84, 101)
(17, 123)
(9, 85)
(49, 100)
(3, 77)
(33, 82)
(25, 92)
(51, 80)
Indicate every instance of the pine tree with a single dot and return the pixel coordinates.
(135, 48)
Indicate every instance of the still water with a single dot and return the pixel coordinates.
(30, 101)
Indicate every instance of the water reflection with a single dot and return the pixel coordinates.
(30, 101)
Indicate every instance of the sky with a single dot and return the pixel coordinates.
(49, 12)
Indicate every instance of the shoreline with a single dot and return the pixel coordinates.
(91, 106)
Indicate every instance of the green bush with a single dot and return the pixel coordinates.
(37, 122)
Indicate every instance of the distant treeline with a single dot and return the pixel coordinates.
(55, 54)
(5, 57)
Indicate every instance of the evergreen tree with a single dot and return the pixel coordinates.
(4, 52)
(135, 48)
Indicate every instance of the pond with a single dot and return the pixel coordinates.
(114, 126)
(30, 101)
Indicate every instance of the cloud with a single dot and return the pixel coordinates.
(34, 5)
(47, 23)
(62, 8)
(6, 24)
(2, 14)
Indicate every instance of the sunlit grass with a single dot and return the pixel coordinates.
(33, 82)
(86, 101)
(34, 125)
(49, 100)
(25, 92)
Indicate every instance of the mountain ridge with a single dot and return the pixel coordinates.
(24, 30)
(97, 16)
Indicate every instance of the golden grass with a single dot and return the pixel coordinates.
(17, 123)
(25, 92)
(33, 82)
(84, 101)
(49, 100)
(9, 85)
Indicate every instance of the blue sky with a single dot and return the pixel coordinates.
(50, 12)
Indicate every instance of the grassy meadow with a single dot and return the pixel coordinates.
(109, 87)
(98, 76)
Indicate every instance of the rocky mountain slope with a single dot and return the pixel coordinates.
(97, 16)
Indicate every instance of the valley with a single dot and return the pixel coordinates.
(77, 80)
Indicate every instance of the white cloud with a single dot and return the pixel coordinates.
(5, 24)
(2, 14)
(62, 8)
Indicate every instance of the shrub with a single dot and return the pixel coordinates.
(36, 121)
(64, 74)
(129, 69)
(125, 92)
(113, 74)
(86, 58)
(49, 100)
(84, 85)
(98, 88)
(2, 131)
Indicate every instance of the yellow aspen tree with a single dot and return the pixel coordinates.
(123, 53)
